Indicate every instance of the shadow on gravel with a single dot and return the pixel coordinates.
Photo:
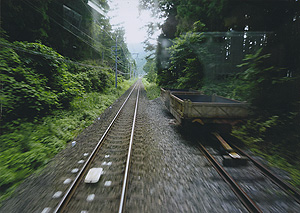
(195, 133)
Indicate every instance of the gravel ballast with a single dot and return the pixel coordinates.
(169, 173)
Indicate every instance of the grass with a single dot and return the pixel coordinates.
(28, 147)
(275, 160)
(152, 89)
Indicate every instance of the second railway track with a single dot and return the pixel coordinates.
(167, 171)
(255, 186)
(111, 154)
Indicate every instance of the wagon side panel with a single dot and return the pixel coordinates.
(231, 111)
(177, 108)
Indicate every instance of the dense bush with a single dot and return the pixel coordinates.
(186, 68)
(93, 79)
(152, 89)
(37, 80)
(34, 84)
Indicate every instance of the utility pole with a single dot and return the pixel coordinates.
(129, 70)
(116, 78)
(136, 58)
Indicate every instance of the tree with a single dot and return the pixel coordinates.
(70, 26)
(268, 88)
(150, 69)
(186, 67)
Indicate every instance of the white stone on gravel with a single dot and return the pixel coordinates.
(46, 210)
(106, 156)
(84, 211)
(90, 197)
(57, 194)
(81, 161)
(75, 170)
(106, 163)
(107, 183)
(85, 154)
(67, 181)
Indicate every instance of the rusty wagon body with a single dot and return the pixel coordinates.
(193, 106)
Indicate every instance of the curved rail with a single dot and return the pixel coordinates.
(71, 190)
(243, 197)
(283, 185)
(280, 183)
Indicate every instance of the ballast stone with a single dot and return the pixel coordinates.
(46, 210)
(90, 197)
(57, 194)
(93, 175)
(75, 170)
(67, 181)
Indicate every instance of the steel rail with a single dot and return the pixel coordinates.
(243, 197)
(71, 190)
(125, 180)
(279, 182)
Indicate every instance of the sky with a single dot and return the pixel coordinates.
(125, 13)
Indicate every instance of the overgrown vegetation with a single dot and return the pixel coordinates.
(46, 101)
(55, 59)
(268, 77)
(30, 145)
(273, 130)
(70, 27)
(186, 67)
(152, 89)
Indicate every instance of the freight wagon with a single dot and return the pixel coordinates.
(192, 106)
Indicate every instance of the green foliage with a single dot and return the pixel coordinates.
(150, 69)
(152, 89)
(45, 104)
(79, 33)
(198, 26)
(255, 131)
(276, 138)
(47, 100)
(186, 70)
(226, 87)
(269, 79)
(30, 145)
(268, 88)
(34, 84)
(93, 79)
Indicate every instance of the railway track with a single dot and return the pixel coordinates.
(111, 160)
(255, 186)
(208, 194)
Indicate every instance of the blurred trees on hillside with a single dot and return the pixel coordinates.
(265, 33)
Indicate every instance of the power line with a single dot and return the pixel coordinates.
(123, 72)
(36, 9)
(96, 19)
(89, 44)
(104, 29)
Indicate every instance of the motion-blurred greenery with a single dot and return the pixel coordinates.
(45, 103)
